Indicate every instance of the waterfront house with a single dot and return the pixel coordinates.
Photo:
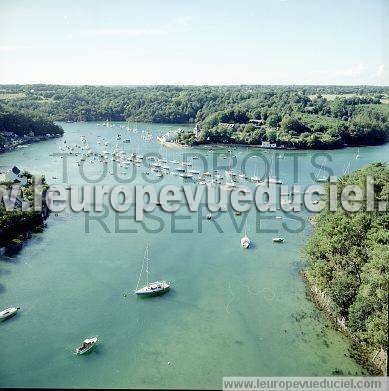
(268, 144)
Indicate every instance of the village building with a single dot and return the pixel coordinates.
(13, 175)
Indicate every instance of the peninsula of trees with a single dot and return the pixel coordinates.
(19, 127)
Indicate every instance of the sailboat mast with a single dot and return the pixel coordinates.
(147, 265)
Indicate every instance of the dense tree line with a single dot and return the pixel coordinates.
(16, 223)
(295, 120)
(25, 123)
(348, 257)
(296, 117)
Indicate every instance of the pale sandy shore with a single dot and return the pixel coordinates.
(173, 145)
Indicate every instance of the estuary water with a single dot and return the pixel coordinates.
(230, 312)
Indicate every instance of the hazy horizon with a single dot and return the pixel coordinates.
(194, 85)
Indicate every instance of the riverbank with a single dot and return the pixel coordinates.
(374, 361)
(56, 266)
(23, 142)
(347, 269)
(175, 145)
(18, 225)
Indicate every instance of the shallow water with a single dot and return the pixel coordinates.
(230, 313)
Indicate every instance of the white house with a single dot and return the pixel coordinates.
(257, 122)
(196, 130)
(267, 144)
(12, 175)
(169, 136)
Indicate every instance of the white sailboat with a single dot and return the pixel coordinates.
(319, 176)
(8, 313)
(151, 288)
(358, 155)
(272, 179)
(245, 241)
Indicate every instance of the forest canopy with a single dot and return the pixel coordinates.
(348, 259)
(23, 123)
(291, 116)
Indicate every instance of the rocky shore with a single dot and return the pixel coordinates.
(374, 362)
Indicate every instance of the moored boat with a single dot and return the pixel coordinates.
(86, 345)
(245, 241)
(151, 288)
(8, 313)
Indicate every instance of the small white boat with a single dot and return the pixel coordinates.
(195, 172)
(186, 175)
(86, 346)
(151, 288)
(255, 179)
(245, 241)
(278, 240)
(274, 180)
(8, 313)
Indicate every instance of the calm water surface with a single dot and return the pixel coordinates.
(231, 312)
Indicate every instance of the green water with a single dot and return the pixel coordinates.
(230, 313)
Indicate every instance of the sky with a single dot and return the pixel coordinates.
(194, 42)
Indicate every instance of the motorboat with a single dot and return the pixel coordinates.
(86, 345)
(278, 240)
